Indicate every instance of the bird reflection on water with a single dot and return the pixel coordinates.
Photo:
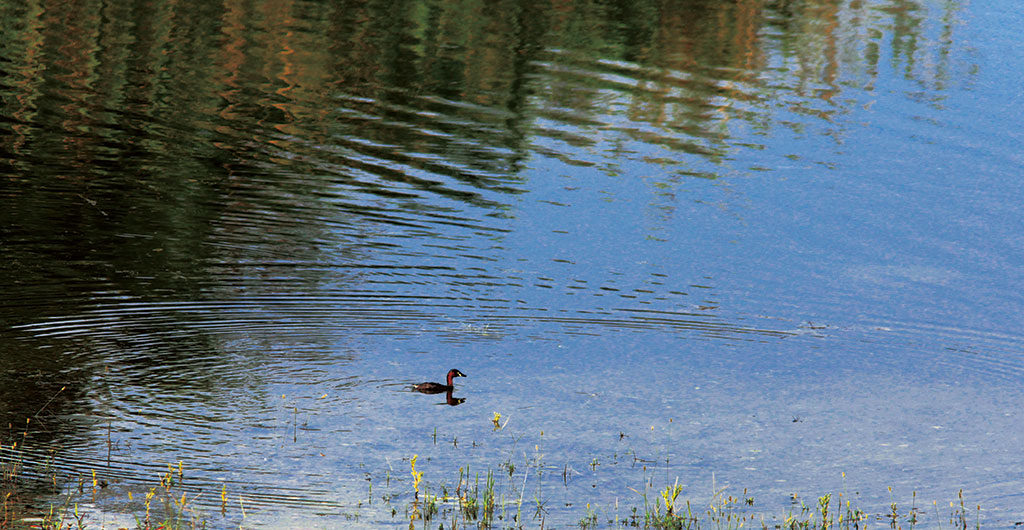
(453, 401)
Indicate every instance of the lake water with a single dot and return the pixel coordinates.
(767, 249)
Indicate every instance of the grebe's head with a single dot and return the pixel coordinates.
(454, 372)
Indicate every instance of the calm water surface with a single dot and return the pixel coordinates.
(771, 247)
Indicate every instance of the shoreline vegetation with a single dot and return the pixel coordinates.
(501, 497)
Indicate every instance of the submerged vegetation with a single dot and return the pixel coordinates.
(504, 496)
(472, 505)
(165, 505)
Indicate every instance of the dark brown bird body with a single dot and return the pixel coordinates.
(436, 388)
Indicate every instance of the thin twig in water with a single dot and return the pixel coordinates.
(36, 415)
(92, 203)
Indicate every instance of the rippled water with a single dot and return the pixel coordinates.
(766, 246)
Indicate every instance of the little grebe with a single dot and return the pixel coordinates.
(437, 388)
